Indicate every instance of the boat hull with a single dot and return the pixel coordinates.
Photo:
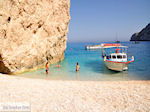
(93, 47)
(116, 66)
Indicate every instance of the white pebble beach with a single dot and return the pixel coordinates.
(76, 96)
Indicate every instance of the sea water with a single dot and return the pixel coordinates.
(92, 66)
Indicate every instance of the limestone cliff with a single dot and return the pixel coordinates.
(143, 35)
(32, 32)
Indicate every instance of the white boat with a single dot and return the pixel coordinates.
(92, 47)
(118, 59)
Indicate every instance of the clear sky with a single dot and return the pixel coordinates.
(102, 20)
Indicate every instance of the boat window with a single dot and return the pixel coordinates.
(109, 56)
(119, 56)
(113, 56)
(124, 56)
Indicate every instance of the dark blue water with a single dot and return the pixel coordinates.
(92, 66)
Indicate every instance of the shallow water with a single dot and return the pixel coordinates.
(92, 66)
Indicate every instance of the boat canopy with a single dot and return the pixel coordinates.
(112, 45)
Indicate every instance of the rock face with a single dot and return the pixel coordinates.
(32, 32)
(143, 35)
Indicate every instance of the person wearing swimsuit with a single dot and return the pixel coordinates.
(77, 67)
(47, 67)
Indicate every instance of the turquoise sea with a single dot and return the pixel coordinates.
(92, 66)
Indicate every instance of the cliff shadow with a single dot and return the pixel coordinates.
(3, 68)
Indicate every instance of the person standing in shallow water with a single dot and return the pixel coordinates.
(77, 67)
(47, 67)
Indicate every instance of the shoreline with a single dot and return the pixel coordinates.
(37, 67)
(76, 96)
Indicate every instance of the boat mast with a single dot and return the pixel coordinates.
(117, 41)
